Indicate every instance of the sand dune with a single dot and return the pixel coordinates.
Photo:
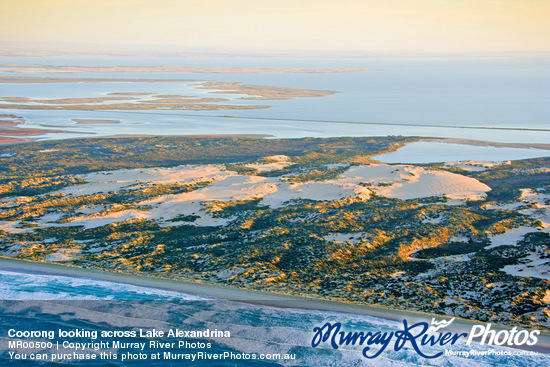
(395, 181)
(410, 182)
(535, 265)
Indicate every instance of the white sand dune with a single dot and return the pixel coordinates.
(311, 191)
(510, 237)
(275, 162)
(11, 227)
(533, 266)
(395, 181)
(116, 180)
(410, 182)
(540, 207)
(353, 237)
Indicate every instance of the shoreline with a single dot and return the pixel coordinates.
(9, 139)
(253, 296)
(484, 143)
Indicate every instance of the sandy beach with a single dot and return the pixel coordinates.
(253, 296)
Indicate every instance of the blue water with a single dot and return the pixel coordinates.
(77, 303)
(427, 152)
(426, 97)
(21, 286)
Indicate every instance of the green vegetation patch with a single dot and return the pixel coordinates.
(397, 253)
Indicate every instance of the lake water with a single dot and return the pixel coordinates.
(411, 97)
(427, 152)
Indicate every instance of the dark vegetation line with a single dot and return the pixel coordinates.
(82, 155)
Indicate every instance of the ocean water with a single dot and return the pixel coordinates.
(22, 286)
(78, 303)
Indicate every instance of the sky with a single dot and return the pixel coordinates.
(334, 26)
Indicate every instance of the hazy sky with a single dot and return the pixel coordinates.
(438, 26)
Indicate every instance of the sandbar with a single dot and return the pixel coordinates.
(14, 131)
(130, 94)
(56, 79)
(263, 91)
(9, 130)
(95, 121)
(34, 68)
(134, 107)
(213, 136)
(7, 140)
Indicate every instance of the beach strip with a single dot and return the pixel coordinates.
(252, 296)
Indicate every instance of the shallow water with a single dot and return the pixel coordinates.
(428, 152)
(412, 97)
